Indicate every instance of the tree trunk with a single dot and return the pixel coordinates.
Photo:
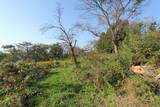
(115, 47)
(114, 40)
(74, 56)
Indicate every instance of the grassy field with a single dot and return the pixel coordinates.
(63, 89)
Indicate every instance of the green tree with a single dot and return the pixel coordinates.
(11, 52)
(56, 51)
(2, 56)
(112, 12)
(152, 26)
(150, 44)
(104, 44)
(24, 50)
(9, 49)
(39, 52)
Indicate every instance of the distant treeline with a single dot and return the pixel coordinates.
(29, 51)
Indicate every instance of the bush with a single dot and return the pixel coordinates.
(111, 78)
(155, 61)
(143, 47)
(104, 44)
(9, 67)
(140, 87)
(105, 71)
(16, 82)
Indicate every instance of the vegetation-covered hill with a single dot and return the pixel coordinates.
(105, 81)
(64, 75)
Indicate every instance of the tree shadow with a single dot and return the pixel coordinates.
(62, 87)
(52, 73)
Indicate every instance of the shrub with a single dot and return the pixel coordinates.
(143, 47)
(16, 84)
(140, 87)
(105, 71)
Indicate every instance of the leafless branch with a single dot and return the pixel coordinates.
(88, 28)
(67, 35)
(113, 12)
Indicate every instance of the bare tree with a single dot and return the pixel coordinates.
(67, 35)
(112, 13)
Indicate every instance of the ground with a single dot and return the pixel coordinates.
(63, 89)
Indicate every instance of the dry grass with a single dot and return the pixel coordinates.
(127, 101)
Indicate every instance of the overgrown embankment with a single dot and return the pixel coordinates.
(102, 80)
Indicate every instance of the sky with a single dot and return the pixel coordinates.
(21, 20)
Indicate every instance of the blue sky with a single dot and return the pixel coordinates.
(20, 20)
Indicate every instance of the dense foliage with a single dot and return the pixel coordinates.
(40, 75)
(34, 75)
(36, 52)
